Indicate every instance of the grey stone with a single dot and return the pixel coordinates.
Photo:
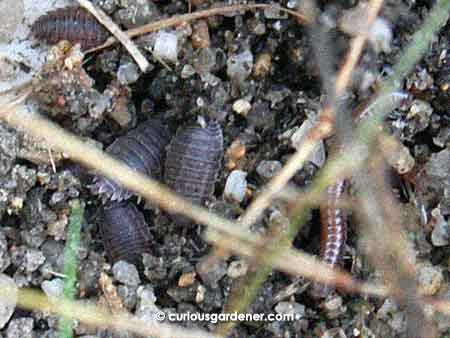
(128, 73)
(20, 328)
(33, 260)
(239, 66)
(166, 46)
(53, 288)
(126, 273)
(7, 306)
(211, 271)
(268, 169)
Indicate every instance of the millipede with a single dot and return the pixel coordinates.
(333, 235)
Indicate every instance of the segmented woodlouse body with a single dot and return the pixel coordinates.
(142, 149)
(73, 24)
(333, 233)
(193, 161)
(125, 233)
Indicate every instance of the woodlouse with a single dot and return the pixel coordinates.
(142, 149)
(125, 233)
(193, 161)
(333, 233)
(73, 24)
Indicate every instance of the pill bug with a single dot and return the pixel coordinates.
(124, 231)
(193, 161)
(333, 234)
(73, 24)
(142, 149)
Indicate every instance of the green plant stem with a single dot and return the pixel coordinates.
(70, 263)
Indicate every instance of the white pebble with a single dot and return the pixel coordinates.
(236, 186)
(53, 288)
(242, 107)
(166, 46)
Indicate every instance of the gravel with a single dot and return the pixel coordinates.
(126, 273)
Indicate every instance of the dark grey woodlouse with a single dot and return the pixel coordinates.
(73, 24)
(142, 149)
(193, 161)
(125, 233)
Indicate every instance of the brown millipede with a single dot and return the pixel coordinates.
(333, 218)
(333, 233)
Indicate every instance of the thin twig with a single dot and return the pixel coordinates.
(99, 317)
(105, 20)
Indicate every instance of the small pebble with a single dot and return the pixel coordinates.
(186, 279)
(5, 259)
(235, 152)
(294, 308)
(187, 71)
(126, 273)
(441, 230)
(334, 307)
(261, 116)
(237, 269)
(239, 66)
(418, 118)
(262, 66)
(20, 328)
(388, 308)
(398, 322)
(439, 166)
(128, 295)
(200, 295)
(33, 260)
(200, 35)
(211, 270)
(7, 306)
(128, 73)
(53, 288)
(430, 279)
(268, 169)
(166, 46)
(146, 307)
(236, 186)
(242, 107)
